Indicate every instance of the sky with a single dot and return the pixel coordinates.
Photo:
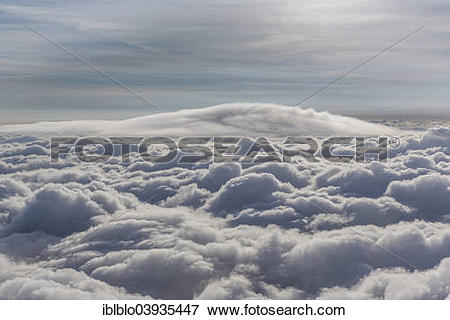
(193, 54)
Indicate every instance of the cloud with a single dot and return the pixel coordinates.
(283, 173)
(223, 231)
(430, 194)
(49, 14)
(153, 272)
(267, 52)
(18, 281)
(397, 284)
(56, 211)
(250, 189)
(240, 119)
(218, 175)
(238, 287)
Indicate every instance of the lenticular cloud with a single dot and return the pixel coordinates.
(310, 230)
(242, 119)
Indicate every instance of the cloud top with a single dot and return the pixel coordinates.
(241, 119)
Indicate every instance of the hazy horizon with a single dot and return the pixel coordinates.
(34, 116)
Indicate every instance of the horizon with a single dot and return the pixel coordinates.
(368, 115)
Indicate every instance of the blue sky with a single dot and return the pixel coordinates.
(189, 54)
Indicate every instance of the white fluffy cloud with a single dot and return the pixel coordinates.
(428, 193)
(19, 281)
(222, 231)
(398, 284)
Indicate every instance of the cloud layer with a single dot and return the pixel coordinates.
(283, 231)
(241, 119)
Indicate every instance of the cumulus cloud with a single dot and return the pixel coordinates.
(56, 211)
(430, 194)
(19, 281)
(398, 284)
(250, 189)
(224, 231)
